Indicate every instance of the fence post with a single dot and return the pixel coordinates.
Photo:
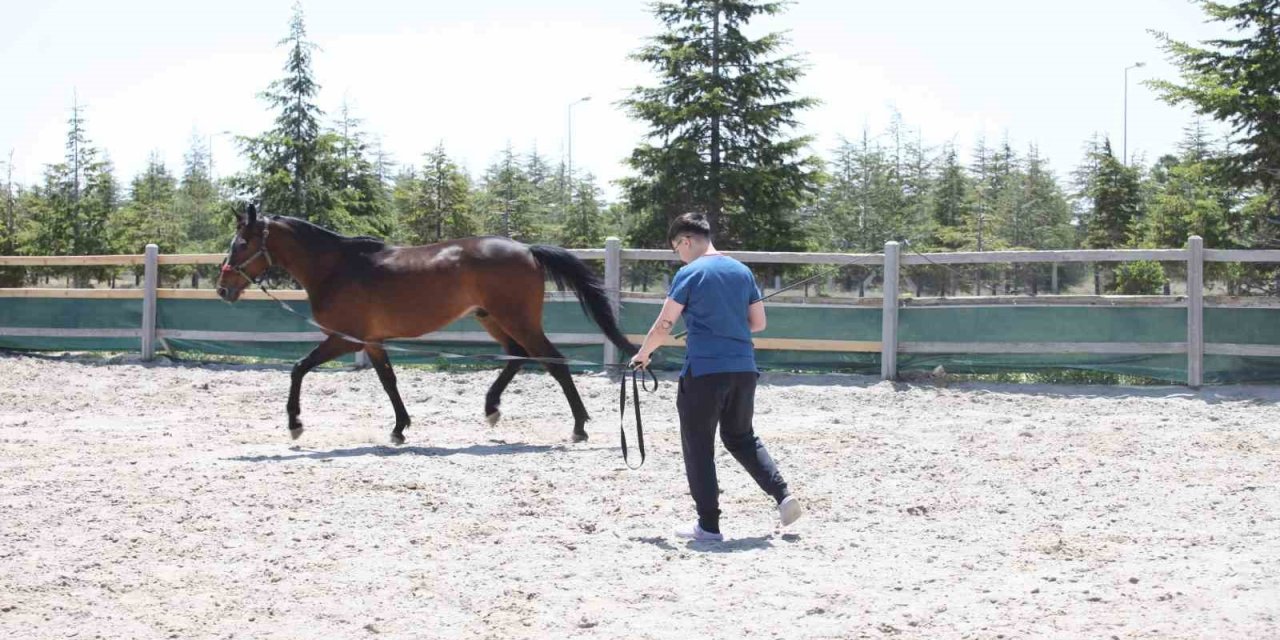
(1195, 311)
(889, 317)
(150, 277)
(613, 286)
(362, 360)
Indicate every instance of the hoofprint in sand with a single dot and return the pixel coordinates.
(160, 501)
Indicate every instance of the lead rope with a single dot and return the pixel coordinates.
(637, 382)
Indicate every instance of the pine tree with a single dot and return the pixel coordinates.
(360, 201)
(718, 127)
(436, 204)
(1189, 197)
(284, 161)
(908, 190)
(507, 203)
(148, 215)
(1005, 186)
(9, 212)
(405, 192)
(1116, 197)
(584, 223)
(863, 201)
(841, 205)
(1237, 81)
(952, 202)
(11, 223)
(546, 195)
(983, 176)
(78, 196)
(198, 204)
(1043, 213)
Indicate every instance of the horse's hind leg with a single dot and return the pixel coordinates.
(493, 399)
(537, 344)
(382, 364)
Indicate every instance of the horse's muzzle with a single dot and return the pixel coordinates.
(228, 294)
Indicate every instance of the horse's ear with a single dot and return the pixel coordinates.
(251, 215)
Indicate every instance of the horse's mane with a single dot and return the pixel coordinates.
(310, 233)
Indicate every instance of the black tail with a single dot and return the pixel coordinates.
(566, 269)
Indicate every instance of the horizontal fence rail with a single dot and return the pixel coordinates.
(751, 257)
(894, 329)
(1082, 255)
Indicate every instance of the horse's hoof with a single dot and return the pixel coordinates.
(397, 438)
(580, 437)
(493, 418)
(295, 433)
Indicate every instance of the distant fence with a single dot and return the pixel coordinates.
(1185, 339)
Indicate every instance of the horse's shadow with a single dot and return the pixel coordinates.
(389, 451)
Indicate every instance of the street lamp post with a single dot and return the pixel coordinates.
(1126, 109)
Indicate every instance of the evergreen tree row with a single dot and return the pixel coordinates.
(722, 138)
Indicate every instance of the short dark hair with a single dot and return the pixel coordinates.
(691, 224)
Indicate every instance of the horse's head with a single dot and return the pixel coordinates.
(247, 260)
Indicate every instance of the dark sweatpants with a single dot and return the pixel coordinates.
(727, 399)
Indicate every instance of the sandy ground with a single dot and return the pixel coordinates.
(162, 501)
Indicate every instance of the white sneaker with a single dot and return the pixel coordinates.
(790, 510)
(695, 532)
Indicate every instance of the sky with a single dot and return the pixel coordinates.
(482, 74)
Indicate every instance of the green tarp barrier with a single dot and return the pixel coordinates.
(916, 324)
(1243, 326)
(70, 313)
(1045, 324)
(1041, 324)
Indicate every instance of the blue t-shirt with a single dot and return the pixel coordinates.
(716, 291)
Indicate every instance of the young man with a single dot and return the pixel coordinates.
(722, 307)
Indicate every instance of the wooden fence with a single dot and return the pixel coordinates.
(888, 347)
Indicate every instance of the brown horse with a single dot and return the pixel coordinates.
(375, 292)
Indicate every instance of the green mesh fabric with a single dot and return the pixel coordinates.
(940, 324)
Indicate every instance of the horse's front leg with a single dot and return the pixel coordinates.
(382, 364)
(331, 348)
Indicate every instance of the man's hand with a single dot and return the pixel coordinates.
(640, 361)
(671, 311)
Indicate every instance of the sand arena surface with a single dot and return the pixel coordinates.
(157, 501)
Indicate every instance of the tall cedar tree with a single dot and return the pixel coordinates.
(78, 197)
(284, 161)
(1115, 197)
(1237, 81)
(719, 124)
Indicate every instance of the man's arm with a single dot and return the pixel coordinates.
(755, 316)
(671, 311)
